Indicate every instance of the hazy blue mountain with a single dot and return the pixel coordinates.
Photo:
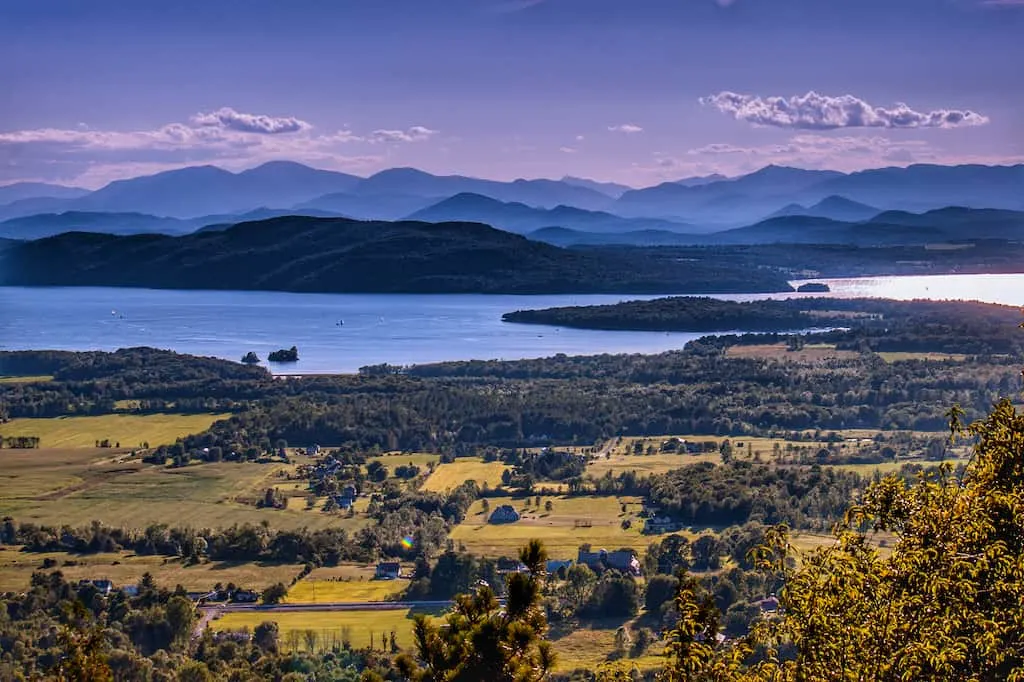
(372, 207)
(37, 190)
(204, 190)
(834, 207)
(562, 236)
(542, 193)
(611, 189)
(699, 180)
(953, 224)
(924, 187)
(518, 217)
(736, 201)
(49, 224)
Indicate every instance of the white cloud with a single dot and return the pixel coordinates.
(226, 137)
(413, 134)
(627, 128)
(567, 150)
(814, 111)
(228, 118)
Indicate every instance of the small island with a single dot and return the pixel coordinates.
(284, 355)
(814, 288)
(250, 358)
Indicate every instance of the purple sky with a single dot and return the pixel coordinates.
(635, 91)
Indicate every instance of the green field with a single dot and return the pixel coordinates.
(588, 647)
(891, 357)
(356, 626)
(127, 429)
(557, 528)
(448, 476)
(26, 380)
(77, 486)
(125, 568)
(311, 590)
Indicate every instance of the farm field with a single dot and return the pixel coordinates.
(77, 486)
(129, 430)
(358, 627)
(126, 568)
(395, 459)
(26, 379)
(311, 590)
(891, 357)
(589, 646)
(448, 476)
(557, 528)
(811, 353)
(646, 465)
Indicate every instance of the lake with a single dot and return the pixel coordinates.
(398, 329)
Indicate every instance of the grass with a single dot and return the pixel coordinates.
(811, 353)
(77, 486)
(556, 528)
(589, 646)
(933, 357)
(448, 476)
(127, 429)
(356, 626)
(125, 568)
(350, 583)
(647, 464)
(26, 379)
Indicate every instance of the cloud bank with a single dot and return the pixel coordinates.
(814, 111)
(627, 128)
(226, 136)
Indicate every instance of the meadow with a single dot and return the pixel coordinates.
(448, 476)
(127, 430)
(359, 628)
(126, 568)
(77, 486)
(558, 528)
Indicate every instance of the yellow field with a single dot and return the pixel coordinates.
(125, 568)
(556, 528)
(358, 625)
(309, 591)
(647, 464)
(448, 476)
(127, 429)
(25, 380)
(934, 357)
(589, 648)
(811, 353)
(77, 486)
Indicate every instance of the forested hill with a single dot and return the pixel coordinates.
(700, 314)
(305, 254)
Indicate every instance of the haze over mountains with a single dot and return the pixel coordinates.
(772, 203)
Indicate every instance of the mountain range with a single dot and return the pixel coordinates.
(305, 254)
(205, 195)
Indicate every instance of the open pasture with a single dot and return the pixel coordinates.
(358, 628)
(128, 430)
(126, 568)
(448, 476)
(77, 486)
(563, 529)
(811, 353)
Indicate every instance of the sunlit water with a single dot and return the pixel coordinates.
(342, 332)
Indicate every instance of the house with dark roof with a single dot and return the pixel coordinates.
(504, 514)
(388, 570)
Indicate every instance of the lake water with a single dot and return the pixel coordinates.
(398, 329)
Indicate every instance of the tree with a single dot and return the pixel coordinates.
(181, 616)
(660, 589)
(265, 636)
(943, 605)
(274, 594)
(483, 641)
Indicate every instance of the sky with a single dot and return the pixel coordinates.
(630, 91)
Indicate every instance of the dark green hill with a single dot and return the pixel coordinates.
(306, 254)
